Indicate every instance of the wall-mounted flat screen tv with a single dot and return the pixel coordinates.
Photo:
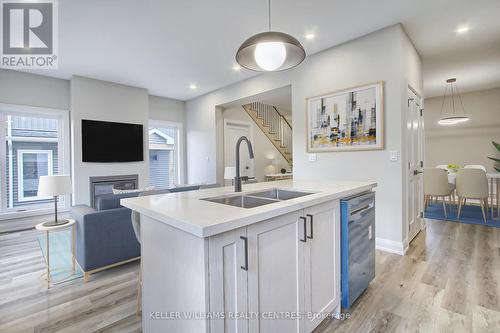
(104, 141)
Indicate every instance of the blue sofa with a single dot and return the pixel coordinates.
(105, 237)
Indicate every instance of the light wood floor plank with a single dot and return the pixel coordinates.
(447, 282)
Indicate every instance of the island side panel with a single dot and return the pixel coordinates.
(174, 279)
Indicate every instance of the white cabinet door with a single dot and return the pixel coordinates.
(321, 262)
(274, 283)
(228, 280)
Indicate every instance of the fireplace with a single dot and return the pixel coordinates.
(105, 184)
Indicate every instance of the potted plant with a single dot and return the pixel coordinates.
(497, 160)
(453, 168)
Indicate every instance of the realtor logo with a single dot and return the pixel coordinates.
(29, 34)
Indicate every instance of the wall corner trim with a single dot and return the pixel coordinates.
(390, 246)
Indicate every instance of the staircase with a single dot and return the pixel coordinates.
(274, 125)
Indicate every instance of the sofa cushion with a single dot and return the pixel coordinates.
(184, 188)
(147, 188)
(105, 238)
(111, 201)
(153, 192)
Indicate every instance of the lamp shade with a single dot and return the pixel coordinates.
(453, 117)
(50, 186)
(229, 172)
(270, 51)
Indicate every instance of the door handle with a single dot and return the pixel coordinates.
(311, 225)
(416, 172)
(304, 220)
(362, 209)
(245, 239)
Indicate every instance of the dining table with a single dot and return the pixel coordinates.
(494, 180)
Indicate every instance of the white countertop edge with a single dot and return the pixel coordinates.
(284, 207)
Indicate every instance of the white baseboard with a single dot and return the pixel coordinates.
(390, 246)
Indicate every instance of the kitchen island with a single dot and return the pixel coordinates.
(263, 260)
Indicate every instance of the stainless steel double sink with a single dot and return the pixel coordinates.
(256, 199)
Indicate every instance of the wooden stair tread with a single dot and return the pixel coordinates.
(271, 135)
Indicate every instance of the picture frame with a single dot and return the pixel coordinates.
(351, 119)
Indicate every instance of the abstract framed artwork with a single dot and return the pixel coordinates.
(346, 120)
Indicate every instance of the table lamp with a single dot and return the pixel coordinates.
(54, 186)
(230, 173)
(276, 162)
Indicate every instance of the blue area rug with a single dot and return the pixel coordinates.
(470, 214)
(60, 256)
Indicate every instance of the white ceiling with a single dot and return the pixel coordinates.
(280, 98)
(165, 45)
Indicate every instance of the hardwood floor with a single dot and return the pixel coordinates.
(107, 303)
(447, 282)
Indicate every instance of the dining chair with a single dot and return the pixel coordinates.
(442, 166)
(475, 166)
(472, 183)
(452, 185)
(436, 185)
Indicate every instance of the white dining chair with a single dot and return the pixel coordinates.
(442, 166)
(475, 166)
(436, 185)
(472, 184)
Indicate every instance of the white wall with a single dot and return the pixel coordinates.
(166, 109)
(469, 142)
(33, 90)
(380, 56)
(106, 101)
(90, 99)
(376, 57)
(202, 121)
(265, 152)
(171, 110)
(412, 68)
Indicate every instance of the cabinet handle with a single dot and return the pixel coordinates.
(311, 225)
(305, 229)
(245, 268)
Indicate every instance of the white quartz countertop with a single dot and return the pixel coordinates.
(185, 210)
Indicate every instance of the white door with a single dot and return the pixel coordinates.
(228, 280)
(233, 130)
(415, 144)
(321, 262)
(274, 283)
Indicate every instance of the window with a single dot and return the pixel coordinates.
(31, 165)
(34, 143)
(164, 154)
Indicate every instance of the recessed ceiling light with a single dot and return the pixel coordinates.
(310, 36)
(193, 86)
(463, 29)
(236, 68)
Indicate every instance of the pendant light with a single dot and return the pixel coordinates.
(453, 117)
(270, 51)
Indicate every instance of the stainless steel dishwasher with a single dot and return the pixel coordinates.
(357, 245)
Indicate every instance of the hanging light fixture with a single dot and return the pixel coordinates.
(270, 51)
(453, 117)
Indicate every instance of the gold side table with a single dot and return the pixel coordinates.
(47, 229)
